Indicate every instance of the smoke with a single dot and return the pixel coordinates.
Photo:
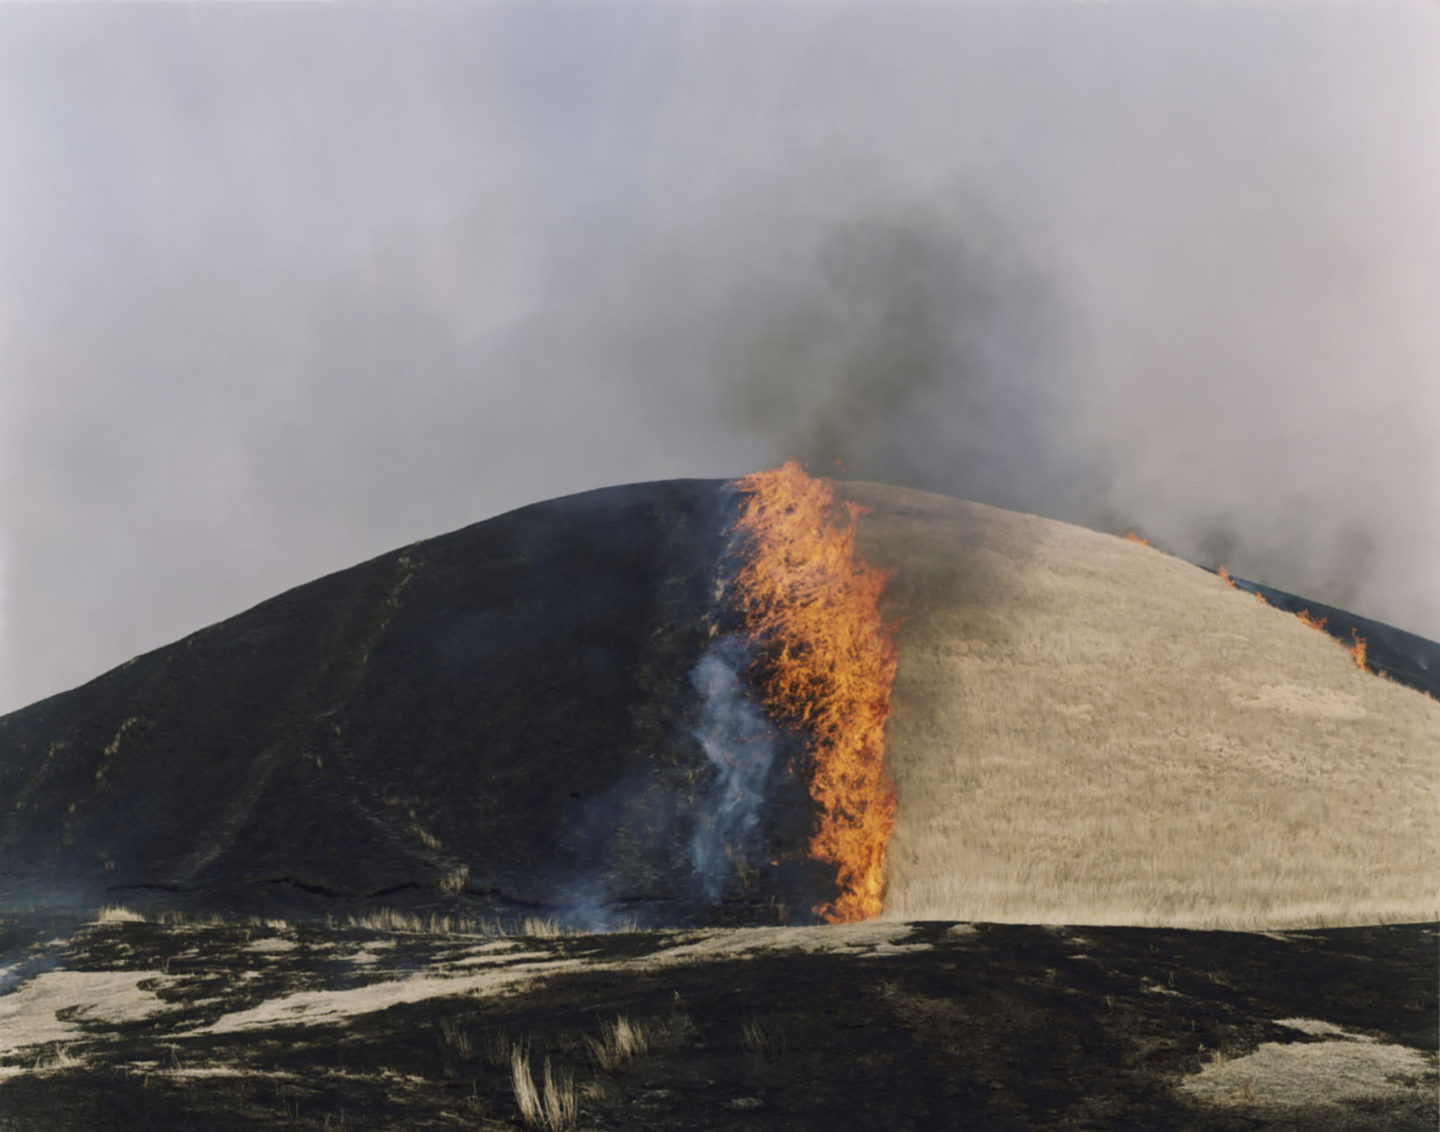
(917, 346)
(739, 742)
(287, 286)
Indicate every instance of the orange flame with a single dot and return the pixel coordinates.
(1357, 650)
(829, 663)
(1133, 537)
(1226, 578)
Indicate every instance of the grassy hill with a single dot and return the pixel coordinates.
(1087, 730)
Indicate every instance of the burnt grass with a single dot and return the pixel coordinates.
(942, 1027)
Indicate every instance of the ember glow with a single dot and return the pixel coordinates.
(827, 665)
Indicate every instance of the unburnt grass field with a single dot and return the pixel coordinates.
(1089, 730)
(404, 1022)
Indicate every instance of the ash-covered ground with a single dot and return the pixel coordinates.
(135, 1025)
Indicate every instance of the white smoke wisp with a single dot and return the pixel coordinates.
(740, 744)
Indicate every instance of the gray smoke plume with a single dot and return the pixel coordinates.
(284, 286)
(916, 345)
(739, 742)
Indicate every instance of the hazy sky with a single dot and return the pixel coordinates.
(284, 286)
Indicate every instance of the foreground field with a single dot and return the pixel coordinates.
(128, 1024)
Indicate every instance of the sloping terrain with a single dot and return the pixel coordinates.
(502, 721)
(1087, 730)
(499, 713)
(132, 1025)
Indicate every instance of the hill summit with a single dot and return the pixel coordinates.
(507, 720)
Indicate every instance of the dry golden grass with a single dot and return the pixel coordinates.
(118, 914)
(394, 920)
(619, 1042)
(552, 1105)
(1086, 730)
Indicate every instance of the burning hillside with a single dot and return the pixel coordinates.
(532, 716)
(827, 665)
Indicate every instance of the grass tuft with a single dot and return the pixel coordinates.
(453, 1037)
(118, 914)
(760, 1039)
(551, 1107)
(620, 1041)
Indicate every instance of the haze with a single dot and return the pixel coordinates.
(284, 286)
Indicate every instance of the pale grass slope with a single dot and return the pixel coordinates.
(1087, 730)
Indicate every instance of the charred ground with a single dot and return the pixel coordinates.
(893, 1026)
(500, 717)
(500, 723)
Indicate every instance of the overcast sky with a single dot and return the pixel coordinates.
(284, 286)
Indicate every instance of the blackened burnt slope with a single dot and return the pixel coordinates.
(427, 720)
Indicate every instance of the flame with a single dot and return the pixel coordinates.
(829, 661)
(1133, 537)
(1357, 650)
(1226, 578)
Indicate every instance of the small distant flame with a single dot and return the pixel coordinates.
(811, 603)
(1226, 578)
(1133, 537)
(1357, 650)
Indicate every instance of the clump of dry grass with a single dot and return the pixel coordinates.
(118, 914)
(760, 1039)
(455, 1038)
(496, 1048)
(60, 1058)
(552, 1105)
(393, 920)
(620, 1041)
